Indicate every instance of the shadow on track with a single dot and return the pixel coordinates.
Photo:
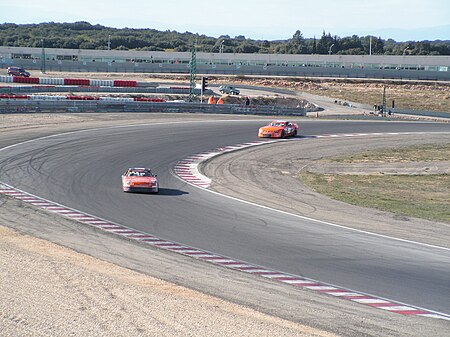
(170, 192)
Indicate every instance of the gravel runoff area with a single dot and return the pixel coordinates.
(61, 278)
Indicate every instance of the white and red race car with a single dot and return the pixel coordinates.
(139, 180)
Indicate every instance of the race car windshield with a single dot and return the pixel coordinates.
(140, 174)
(277, 124)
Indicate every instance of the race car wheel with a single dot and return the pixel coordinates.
(295, 133)
(283, 134)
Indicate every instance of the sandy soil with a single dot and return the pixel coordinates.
(92, 283)
(49, 290)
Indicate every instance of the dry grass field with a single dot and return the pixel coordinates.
(430, 96)
(424, 196)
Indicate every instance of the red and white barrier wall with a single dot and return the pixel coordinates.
(82, 98)
(69, 81)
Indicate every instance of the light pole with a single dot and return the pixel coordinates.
(42, 57)
(404, 51)
(329, 50)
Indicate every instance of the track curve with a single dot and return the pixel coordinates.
(82, 170)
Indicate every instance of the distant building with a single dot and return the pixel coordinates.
(354, 66)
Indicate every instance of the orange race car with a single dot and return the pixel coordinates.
(139, 180)
(278, 129)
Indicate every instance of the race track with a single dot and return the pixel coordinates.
(82, 170)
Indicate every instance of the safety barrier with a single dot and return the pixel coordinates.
(51, 80)
(46, 97)
(99, 89)
(123, 83)
(6, 96)
(6, 79)
(102, 83)
(81, 98)
(130, 105)
(32, 80)
(73, 81)
(76, 81)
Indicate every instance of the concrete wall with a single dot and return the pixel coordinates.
(355, 66)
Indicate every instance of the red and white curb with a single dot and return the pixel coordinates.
(216, 259)
(187, 168)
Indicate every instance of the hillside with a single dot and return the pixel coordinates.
(83, 35)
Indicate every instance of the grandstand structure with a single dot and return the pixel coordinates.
(407, 67)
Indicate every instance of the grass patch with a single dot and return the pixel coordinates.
(421, 196)
(430, 152)
(426, 197)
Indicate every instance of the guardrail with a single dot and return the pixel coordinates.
(422, 113)
(99, 106)
(66, 88)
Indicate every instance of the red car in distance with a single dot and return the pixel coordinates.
(278, 129)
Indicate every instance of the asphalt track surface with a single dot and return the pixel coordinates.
(82, 170)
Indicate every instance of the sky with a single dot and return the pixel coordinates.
(401, 20)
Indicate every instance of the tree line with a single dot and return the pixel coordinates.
(83, 35)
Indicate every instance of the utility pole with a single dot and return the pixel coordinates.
(42, 57)
(109, 42)
(384, 99)
(192, 72)
(370, 45)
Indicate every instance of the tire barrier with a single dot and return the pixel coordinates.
(6, 79)
(126, 84)
(51, 81)
(102, 83)
(148, 99)
(6, 96)
(32, 80)
(80, 98)
(28, 89)
(70, 81)
(76, 81)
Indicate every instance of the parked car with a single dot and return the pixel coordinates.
(278, 129)
(16, 71)
(139, 180)
(228, 89)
